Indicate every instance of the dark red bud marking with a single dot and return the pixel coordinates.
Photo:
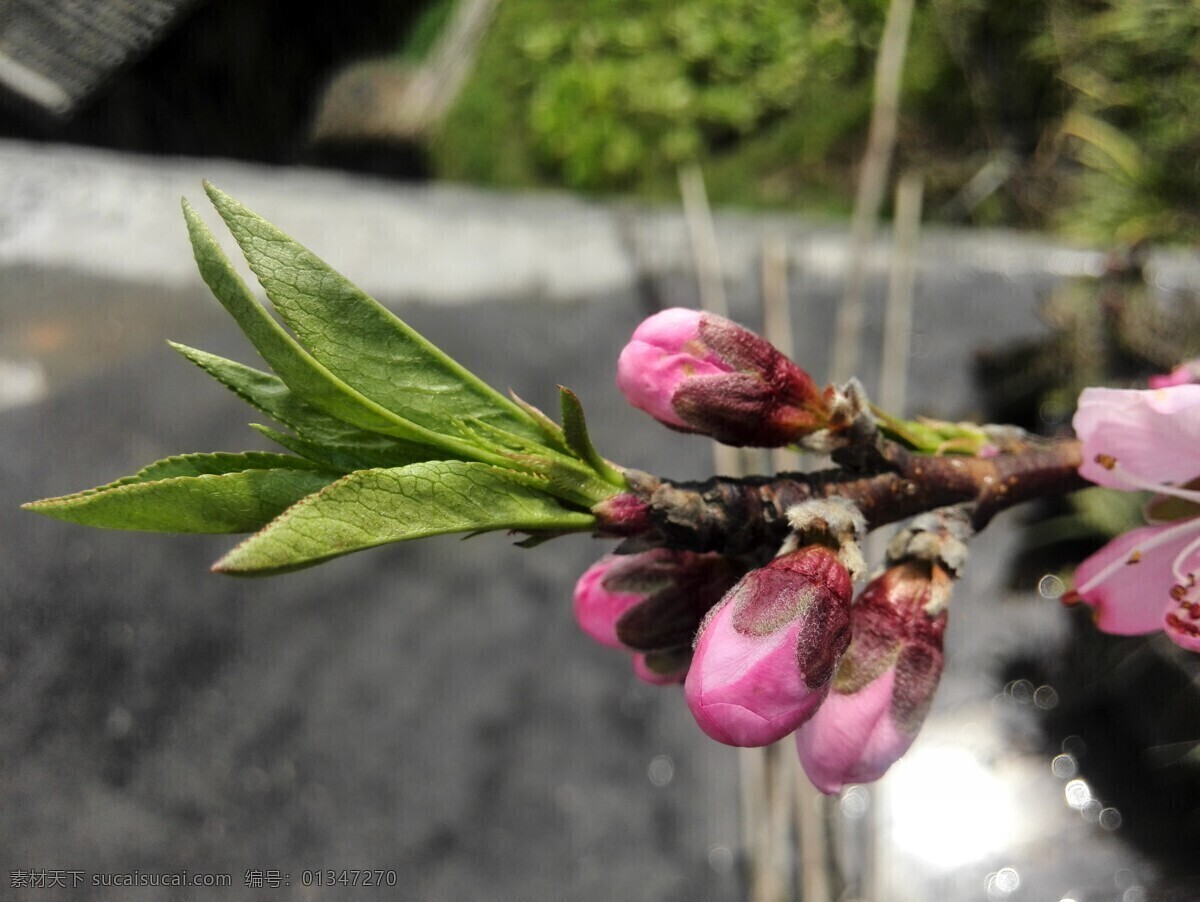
(1178, 592)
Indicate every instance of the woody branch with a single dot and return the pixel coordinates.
(738, 516)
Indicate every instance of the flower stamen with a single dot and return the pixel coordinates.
(1135, 482)
(1177, 566)
(1162, 538)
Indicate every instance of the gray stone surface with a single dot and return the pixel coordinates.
(431, 708)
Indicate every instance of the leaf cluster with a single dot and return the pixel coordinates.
(389, 438)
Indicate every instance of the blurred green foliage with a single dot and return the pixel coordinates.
(612, 95)
(639, 91)
(423, 33)
(1132, 68)
(1071, 113)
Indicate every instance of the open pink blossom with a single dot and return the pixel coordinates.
(1146, 579)
(766, 653)
(698, 372)
(885, 683)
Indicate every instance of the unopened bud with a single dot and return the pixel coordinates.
(766, 654)
(597, 607)
(698, 372)
(623, 514)
(652, 600)
(886, 681)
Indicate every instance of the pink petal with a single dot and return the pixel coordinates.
(672, 329)
(1181, 375)
(748, 690)
(597, 610)
(852, 738)
(1153, 436)
(766, 654)
(648, 377)
(1128, 582)
(665, 350)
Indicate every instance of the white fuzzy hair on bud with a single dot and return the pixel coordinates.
(836, 522)
(939, 537)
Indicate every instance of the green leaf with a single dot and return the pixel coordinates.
(576, 434)
(373, 507)
(213, 464)
(550, 429)
(276, 400)
(566, 479)
(345, 458)
(359, 340)
(929, 436)
(565, 475)
(298, 370)
(222, 502)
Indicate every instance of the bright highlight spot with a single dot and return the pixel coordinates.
(948, 809)
(720, 859)
(854, 802)
(1050, 586)
(1003, 883)
(661, 770)
(1064, 766)
(1078, 794)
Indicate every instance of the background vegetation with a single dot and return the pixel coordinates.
(1075, 114)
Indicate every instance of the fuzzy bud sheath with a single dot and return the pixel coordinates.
(885, 684)
(662, 668)
(698, 372)
(766, 654)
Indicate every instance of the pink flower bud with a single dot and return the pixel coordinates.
(650, 601)
(598, 608)
(766, 653)
(886, 681)
(697, 372)
(623, 514)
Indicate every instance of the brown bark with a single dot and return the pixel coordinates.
(745, 516)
